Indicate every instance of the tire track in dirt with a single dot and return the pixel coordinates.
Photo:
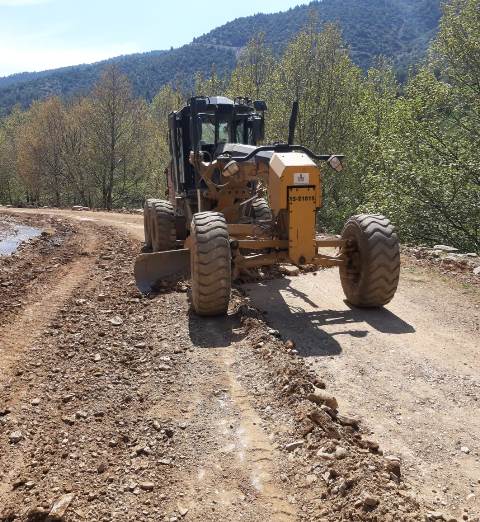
(234, 464)
(21, 333)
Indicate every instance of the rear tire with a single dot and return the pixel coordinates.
(211, 263)
(370, 277)
(261, 210)
(162, 225)
(147, 218)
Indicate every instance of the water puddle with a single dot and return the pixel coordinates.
(14, 239)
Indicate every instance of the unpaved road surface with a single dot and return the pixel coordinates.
(130, 408)
(410, 371)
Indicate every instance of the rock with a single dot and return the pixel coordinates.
(476, 270)
(147, 486)
(348, 421)
(77, 208)
(464, 449)
(323, 420)
(289, 270)
(294, 445)
(116, 321)
(323, 397)
(97, 357)
(369, 501)
(289, 345)
(15, 436)
(435, 516)
(35, 402)
(445, 248)
(326, 456)
(69, 420)
(274, 332)
(60, 507)
(102, 467)
(182, 510)
(35, 514)
(340, 453)
(392, 464)
(369, 444)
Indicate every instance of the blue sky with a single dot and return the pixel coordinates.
(44, 34)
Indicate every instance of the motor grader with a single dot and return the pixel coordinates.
(234, 205)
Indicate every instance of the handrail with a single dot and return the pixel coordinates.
(283, 147)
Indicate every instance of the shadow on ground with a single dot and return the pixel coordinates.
(307, 328)
(214, 332)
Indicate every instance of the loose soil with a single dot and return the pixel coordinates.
(140, 410)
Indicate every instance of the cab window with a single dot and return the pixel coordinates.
(223, 134)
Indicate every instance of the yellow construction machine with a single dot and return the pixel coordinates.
(234, 205)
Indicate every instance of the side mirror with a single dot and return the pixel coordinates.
(335, 163)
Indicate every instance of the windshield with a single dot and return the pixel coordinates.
(223, 132)
(208, 131)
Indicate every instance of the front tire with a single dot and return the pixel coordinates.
(211, 263)
(370, 276)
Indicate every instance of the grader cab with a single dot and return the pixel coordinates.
(235, 205)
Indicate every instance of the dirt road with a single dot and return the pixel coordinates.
(141, 411)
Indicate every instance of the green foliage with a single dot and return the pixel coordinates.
(412, 152)
(400, 29)
(146, 72)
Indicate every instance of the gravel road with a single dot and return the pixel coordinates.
(127, 408)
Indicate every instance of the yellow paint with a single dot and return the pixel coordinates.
(291, 169)
(302, 211)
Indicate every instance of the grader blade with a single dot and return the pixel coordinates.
(152, 269)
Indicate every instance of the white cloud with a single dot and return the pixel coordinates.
(17, 3)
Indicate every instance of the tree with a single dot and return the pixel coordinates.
(166, 101)
(113, 113)
(255, 65)
(11, 187)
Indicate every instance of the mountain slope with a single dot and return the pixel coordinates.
(399, 29)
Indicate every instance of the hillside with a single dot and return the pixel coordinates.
(400, 29)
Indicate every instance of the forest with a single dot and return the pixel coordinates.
(412, 149)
